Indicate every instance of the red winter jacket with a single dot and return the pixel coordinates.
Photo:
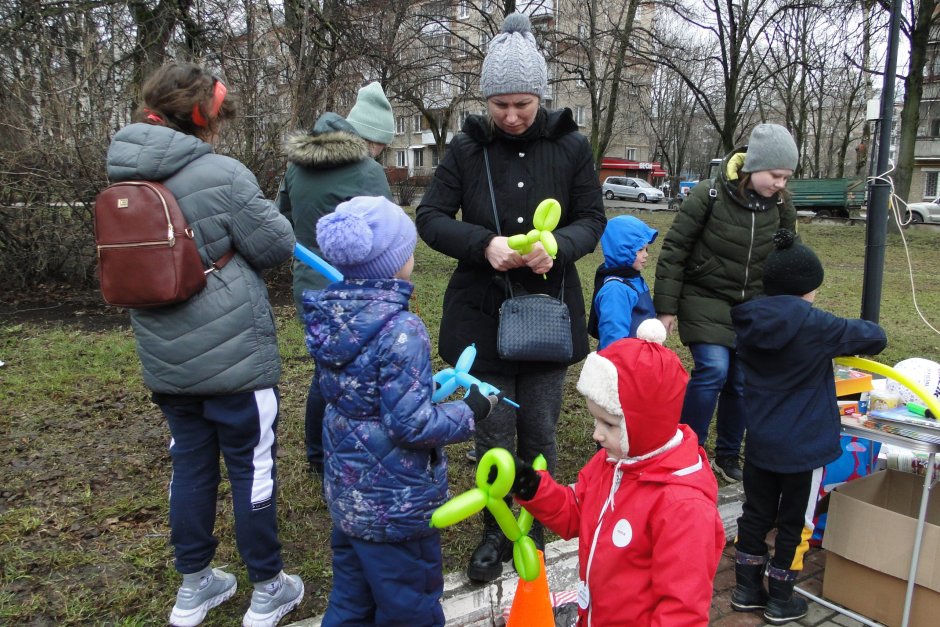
(650, 536)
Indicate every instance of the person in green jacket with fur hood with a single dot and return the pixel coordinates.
(330, 164)
(712, 259)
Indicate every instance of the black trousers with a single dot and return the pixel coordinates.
(786, 501)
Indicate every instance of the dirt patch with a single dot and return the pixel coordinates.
(82, 306)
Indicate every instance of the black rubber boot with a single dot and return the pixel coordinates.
(486, 563)
(749, 593)
(783, 606)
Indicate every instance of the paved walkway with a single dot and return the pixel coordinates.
(474, 605)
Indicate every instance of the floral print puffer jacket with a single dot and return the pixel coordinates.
(385, 470)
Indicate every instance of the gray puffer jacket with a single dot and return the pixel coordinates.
(222, 340)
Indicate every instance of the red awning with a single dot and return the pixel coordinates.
(614, 162)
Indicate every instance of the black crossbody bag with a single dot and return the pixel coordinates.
(532, 327)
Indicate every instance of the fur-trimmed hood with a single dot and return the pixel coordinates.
(332, 142)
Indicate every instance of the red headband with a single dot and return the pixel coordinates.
(218, 95)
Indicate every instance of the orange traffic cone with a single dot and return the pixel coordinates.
(532, 604)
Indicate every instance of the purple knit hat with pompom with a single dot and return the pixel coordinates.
(367, 237)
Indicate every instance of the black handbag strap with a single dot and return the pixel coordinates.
(489, 181)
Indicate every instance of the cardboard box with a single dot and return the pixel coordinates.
(849, 381)
(870, 540)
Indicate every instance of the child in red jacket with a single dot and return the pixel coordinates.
(645, 506)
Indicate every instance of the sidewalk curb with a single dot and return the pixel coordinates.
(469, 604)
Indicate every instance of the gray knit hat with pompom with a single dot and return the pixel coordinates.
(513, 63)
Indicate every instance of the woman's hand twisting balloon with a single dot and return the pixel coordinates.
(501, 256)
(539, 261)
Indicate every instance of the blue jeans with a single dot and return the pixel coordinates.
(717, 379)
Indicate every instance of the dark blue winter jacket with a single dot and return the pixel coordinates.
(787, 347)
(385, 469)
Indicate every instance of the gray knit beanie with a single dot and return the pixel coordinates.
(513, 63)
(372, 115)
(771, 147)
(791, 268)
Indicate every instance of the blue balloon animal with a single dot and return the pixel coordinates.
(449, 379)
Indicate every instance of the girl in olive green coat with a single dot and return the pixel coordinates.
(712, 259)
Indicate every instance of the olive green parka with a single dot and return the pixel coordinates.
(712, 260)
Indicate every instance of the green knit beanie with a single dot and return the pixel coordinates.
(372, 115)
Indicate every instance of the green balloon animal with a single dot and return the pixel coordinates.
(488, 494)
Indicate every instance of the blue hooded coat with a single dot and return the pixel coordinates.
(624, 300)
(385, 469)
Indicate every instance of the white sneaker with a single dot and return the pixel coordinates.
(274, 600)
(193, 602)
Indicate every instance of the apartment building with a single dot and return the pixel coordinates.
(925, 174)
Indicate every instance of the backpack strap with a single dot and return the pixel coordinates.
(712, 195)
(219, 263)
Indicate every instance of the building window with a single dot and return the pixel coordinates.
(419, 157)
(463, 9)
(579, 115)
(400, 159)
(935, 128)
(930, 185)
(416, 123)
(484, 40)
(631, 154)
(401, 125)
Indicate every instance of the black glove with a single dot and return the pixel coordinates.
(481, 405)
(527, 480)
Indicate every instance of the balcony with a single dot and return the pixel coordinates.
(927, 148)
(427, 137)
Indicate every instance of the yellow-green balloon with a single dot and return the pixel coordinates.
(460, 507)
(547, 215)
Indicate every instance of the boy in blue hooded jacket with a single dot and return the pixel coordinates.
(786, 347)
(621, 296)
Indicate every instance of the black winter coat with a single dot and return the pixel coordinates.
(551, 160)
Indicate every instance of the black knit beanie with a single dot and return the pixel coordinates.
(791, 268)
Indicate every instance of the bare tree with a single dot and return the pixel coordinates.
(728, 99)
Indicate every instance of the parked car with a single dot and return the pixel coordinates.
(920, 212)
(630, 188)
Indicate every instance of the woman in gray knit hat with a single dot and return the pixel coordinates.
(712, 259)
(528, 154)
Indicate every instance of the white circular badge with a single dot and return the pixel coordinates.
(623, 533)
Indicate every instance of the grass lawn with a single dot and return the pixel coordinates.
(83, 507)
